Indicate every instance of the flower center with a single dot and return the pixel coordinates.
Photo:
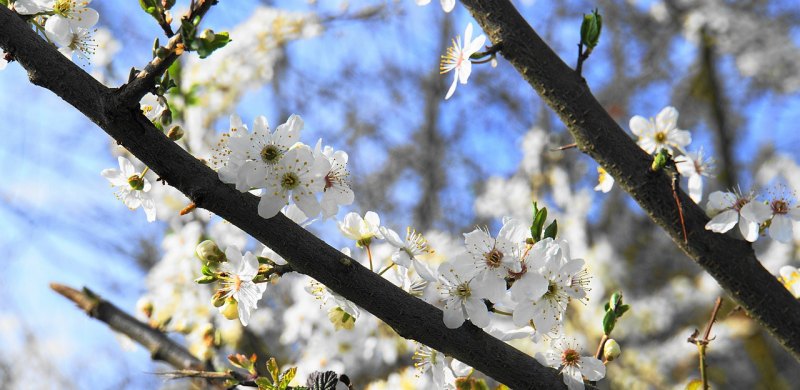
(493, 258)
(552, 290)
(290, 181)
(780, 206)
(237, 283)
(136, 182)
(661, 137)
(270, 154)
(63, 7)
(570, 357)
(463, 290)
(328, 181)
(740, 203)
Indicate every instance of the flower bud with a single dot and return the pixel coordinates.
(611, 350)
(207, 35)
(145, 305)
(230, 309)
(209, 252)
(175, 133)
(590, 29)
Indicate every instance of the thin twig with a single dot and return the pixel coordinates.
(600, 346)
(675, 178)
(160, 346)
(565, 147)
(130, 94)
(703, 343)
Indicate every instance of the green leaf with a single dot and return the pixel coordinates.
(609, 320)
(551, 230)
(205, 279)
(622, 309)
(287, 377)
(207, 45)
(264, 384)
(538, 223)
(272, 368)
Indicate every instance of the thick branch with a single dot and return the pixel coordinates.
(410, 317)
(730, 261)
(160, 346)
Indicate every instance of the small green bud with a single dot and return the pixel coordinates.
(660, 160)
(207, 35)
(156, 46)
(166, 117)
(136, 182)
(218, 299)
(611, 350)
(161, 53)
(209, 252)
(590, 29)
(615, 301)
(231, 309)
(175, 133)
(205, 279)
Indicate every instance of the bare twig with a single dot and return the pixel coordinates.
(703, 343)
(160, 346)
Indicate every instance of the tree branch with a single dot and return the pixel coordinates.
(730, 261)
(145, 80)
(160, 346)
(410, 317)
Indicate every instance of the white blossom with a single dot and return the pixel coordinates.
(565, 355)
(661, 133)
(604, 181)
(447, 5)
(409, 250)
(237, 281)
(730, 208)
(694, 166)
(457, 58)
(132, 187)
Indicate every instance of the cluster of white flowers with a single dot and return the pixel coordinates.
(473, 285)
(67, 23)
(663, 133)
(730, 208)
(283, 169)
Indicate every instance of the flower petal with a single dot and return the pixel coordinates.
(723, 222)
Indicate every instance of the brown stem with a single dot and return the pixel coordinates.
(600, 346)
(160, 346)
